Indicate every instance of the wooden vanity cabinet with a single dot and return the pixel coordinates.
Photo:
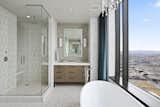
(69, 74)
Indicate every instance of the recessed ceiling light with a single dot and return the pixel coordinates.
(71, 10)
(28, 16)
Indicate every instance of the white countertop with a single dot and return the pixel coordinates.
(69, 63)
(72, 63)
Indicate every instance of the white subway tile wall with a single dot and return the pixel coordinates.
(8, 49)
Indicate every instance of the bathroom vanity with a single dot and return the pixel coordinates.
(72, 65)
(71, 72)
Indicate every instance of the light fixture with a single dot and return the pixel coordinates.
(60, 42)
(84, 42)
(70, 10)
(109, 5)
(114, 4)
(28, 16)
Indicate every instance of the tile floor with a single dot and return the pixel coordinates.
(62, 96)
(26, 90)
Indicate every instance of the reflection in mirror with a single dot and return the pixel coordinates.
(73, 42)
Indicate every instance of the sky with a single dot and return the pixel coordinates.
(144, 25)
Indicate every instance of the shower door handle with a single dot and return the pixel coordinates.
(23, 59)
(43, 46)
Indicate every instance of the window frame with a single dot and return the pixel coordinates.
(124, 80)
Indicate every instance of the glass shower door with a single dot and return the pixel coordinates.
(35, 31)
(29, 49)
(44, 49)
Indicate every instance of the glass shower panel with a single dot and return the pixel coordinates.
(24, 52)
(44, 49)
(29, 49)
(25, 60)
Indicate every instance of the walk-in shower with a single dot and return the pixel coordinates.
(24, 51)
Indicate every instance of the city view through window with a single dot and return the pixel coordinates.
(144, 45)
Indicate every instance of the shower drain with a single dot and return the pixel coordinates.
(26, 84)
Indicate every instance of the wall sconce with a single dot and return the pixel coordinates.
(60, 42)
(84, 42)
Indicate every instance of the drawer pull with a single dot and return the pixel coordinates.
(58, 72)
(71, 72)
(71, 78)
(58, 78)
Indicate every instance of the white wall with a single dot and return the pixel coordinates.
(93, 43)
(111, 44)
(52, 48)
(12, 50)
(8, 47)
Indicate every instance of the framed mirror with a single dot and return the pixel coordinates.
(73, 42)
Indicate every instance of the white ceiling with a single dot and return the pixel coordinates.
(68, 11)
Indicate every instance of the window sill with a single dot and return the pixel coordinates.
(149, 99)
(142, 95)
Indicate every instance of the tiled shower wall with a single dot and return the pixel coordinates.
(8, 48)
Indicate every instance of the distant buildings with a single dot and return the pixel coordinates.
(144, 71)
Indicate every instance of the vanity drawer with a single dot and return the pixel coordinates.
(59, 79)
(59, 72)
(59, 68)
(75, 79)
(69, 74)
(75, 76)
(75, 69)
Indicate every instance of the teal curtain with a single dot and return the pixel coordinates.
(103, 48)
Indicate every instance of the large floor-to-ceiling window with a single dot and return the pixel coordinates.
(137, 67)
(144, 45)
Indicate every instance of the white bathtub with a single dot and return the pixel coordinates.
(105, 94)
